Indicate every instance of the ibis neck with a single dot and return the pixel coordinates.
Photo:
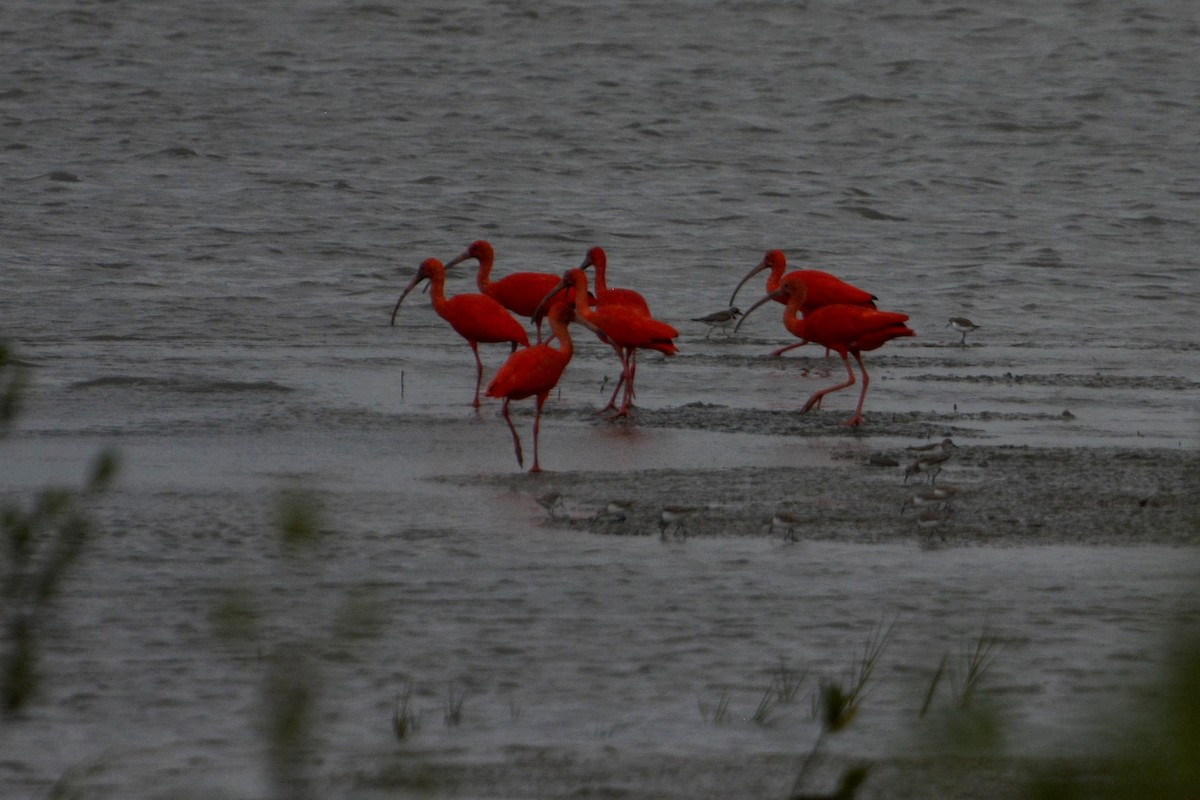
(581, 294)
(775, 278)
(601, 276)
(562, 331)
(792, 319)
(483, 278)
(437, 290)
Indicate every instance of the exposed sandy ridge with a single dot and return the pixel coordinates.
(1006, 495)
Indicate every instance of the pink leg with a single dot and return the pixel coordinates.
(632, 372)
(792, 346)
(866, 380)
(516, 439)
(537, 427)
(478, 372)
(612, 401)
(815, 400)
(630, 359)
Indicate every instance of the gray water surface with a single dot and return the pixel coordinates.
(209, 211)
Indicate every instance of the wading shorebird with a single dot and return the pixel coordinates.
(617, 510)
(785, 522)
(931, 519)
(720, 319)
(604, 295)
(552, 502)
(534, 372)
(611, 296)
(671, 519)
(519, 292)
(944, 444)
(933, 496)
(822, 289)
(624, 328)
(846, 329)
(931, 464)
(962, 325)
(475, 317)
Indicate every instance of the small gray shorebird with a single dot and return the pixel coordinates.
(785, 522)
(672, 517)
(931, 519)
(617, 510)
(944, 444)
(962, 325)
(931, 459)
(720, 319)
(930, 463)
(552, 502)
(933, 496)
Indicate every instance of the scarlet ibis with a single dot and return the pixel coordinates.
(475, 317)
(613, 296)
(823, 288)
(846, 329)
(519, 292)
(605, 296)
(625, 328)
(964, 326)
(534, 372)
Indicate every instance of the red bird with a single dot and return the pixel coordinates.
(519, 292)
(596, 257)
(844, 328)
(534, 372)
(474, 317)
(823, 288)
(626, 329)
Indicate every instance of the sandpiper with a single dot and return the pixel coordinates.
(719, 319)
(552, 502)
(615, 511)
(931, 519)
(785, 522)
(944, 444)
(962, 325)
(672, 517)
(934, 495)
(930, 463)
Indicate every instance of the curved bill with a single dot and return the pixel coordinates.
(759, 268)
(412, 285)
(775, 295)
(540, 311)
(458, 259)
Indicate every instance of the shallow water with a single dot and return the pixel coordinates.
(209, 214)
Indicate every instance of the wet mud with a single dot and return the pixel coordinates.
(873, 493)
